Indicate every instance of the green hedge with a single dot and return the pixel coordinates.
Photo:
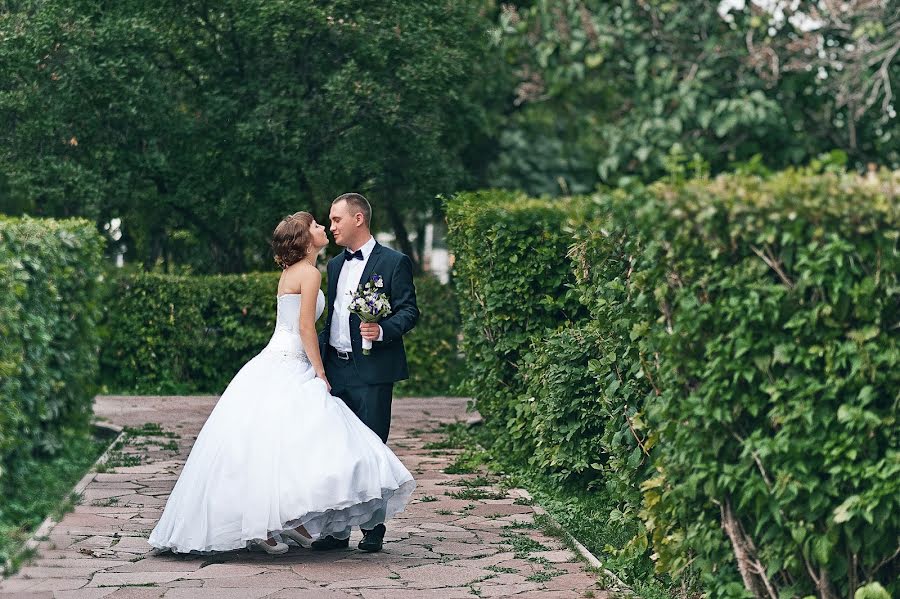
(166, 334)
(734, 383)
(49, 307)
(513, 283)
(779, 374)
(432, 348)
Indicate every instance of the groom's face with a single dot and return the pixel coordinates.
(343, 225)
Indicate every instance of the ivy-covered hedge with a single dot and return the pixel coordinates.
(734, 382)
(166, 334)
(49, 308)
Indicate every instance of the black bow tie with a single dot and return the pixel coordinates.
(348, 255)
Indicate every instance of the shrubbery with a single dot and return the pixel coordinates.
(432, 349)
(49, 307)
(735, 381)
(512, 284)
(168, 334)
(191, 334)
(779, 371)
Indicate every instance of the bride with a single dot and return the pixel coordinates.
(279, 457)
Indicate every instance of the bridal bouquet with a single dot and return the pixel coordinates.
(370, 304)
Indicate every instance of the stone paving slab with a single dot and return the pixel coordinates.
(461, 536)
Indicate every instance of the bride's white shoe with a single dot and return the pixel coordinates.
(298, 538)
(278, 548)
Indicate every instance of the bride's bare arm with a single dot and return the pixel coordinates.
(310, 280)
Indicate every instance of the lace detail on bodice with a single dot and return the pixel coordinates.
(285, 341)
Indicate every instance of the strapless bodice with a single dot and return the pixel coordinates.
(286, 338)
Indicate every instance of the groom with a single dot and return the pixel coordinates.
(365, 383)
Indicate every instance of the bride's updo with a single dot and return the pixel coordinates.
(292, 238)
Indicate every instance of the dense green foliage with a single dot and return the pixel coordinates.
(734, 386)
(607, 90)
(779, 367)
(512, 285)
(166, 334)
(38, 487)
(49, 309)
(432, 347)
(196, 123)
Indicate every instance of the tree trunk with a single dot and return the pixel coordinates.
(402, 236)
(752, 571)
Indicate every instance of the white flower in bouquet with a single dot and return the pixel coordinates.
(370, 304)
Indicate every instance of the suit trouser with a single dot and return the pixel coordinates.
(370, 403)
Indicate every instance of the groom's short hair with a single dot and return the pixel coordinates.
(357, 203)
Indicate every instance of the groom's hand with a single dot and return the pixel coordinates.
(370, 331)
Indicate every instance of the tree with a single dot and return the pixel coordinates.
(200, 125)
(627, 87)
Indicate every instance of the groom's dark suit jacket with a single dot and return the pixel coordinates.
(387, 361)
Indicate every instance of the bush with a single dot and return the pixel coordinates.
(778, 448)
(513, 284)
(49, 308)
(735, 379)
(432, 349)
(179, 334)
(169, 334)
(566, 418)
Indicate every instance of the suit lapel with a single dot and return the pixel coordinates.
(371, 263)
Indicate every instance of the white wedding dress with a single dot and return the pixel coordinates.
(279, 451)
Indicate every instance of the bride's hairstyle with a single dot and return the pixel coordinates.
(291, 239)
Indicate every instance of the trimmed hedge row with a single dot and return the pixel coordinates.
(512, 284)
(779, 371)
(735, 379)
(166, 334)
(49, 307)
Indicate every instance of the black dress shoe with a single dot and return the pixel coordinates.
(372, 539)
(329, 542)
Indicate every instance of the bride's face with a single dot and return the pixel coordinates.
(319, 237)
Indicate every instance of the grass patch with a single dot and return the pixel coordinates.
(40, 486)
(476, 494)
(544, 575)
(521, 544)
(117, 459)
(108, 502)
(149, 434)
(478, 481)
(453, 436)
(428, 499)
(502, 570)
(150, 429)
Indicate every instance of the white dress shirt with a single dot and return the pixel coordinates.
(348, 282)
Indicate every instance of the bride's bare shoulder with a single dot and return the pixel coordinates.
(297, 276)
(308, 277)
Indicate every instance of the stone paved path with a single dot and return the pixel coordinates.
(460, 537)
